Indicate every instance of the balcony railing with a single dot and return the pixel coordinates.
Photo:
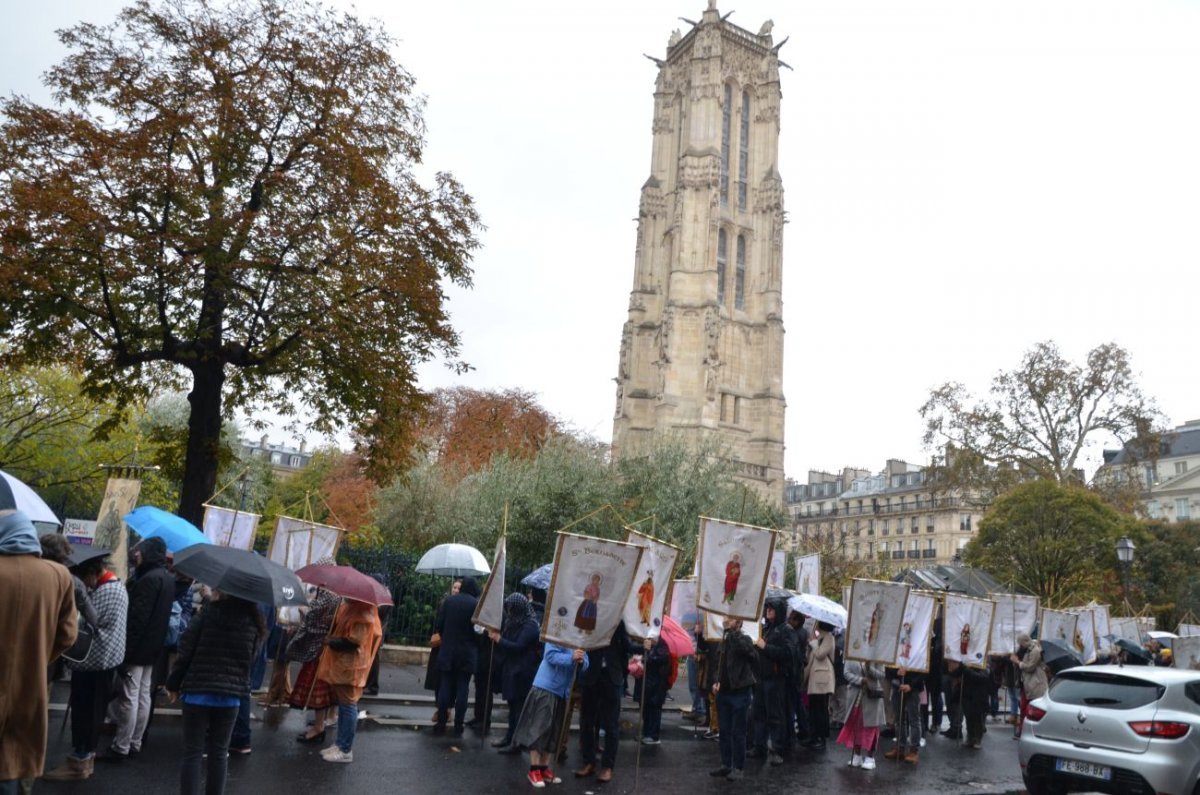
(929, 553)
(875, 510)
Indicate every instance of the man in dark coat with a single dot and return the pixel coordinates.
(458, 655)
(151, 593)
(601, 688)
(777, 653)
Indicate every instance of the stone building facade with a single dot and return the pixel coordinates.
(702, 350)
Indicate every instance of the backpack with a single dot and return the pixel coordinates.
(175, 625)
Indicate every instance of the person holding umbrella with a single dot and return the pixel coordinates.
(210, 676)
(345, 662)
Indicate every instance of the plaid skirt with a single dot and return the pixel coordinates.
(309, 691)
(541, 720)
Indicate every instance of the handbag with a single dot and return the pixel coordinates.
(873, 692)
(84, 637)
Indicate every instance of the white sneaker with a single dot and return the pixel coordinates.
(855, 761)
(868, 763)
(922, 742)
(335, 754)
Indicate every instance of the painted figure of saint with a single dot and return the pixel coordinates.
(733, 573)
(806, 585)
(1078, 642)
(906, 640)
(964, 639)
(873, 629)
(585, 616)
(645, 598)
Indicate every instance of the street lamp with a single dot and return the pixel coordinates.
(1125, 550)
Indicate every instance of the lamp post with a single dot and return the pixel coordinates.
(1125, 548)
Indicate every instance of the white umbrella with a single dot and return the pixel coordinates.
(454, 560)
(820, 608)
(15, 495)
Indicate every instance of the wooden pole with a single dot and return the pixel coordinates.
(566, 727)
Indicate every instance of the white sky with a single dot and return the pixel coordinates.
(963, 178)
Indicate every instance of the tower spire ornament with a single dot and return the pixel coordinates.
(701, 351)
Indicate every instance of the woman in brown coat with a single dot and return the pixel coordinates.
(819, 681)
(353, 640)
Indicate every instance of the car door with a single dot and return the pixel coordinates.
(1093, 710)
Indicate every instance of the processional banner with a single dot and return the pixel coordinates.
(644, 607)
(227, 527)
(683, 603)
(588, 590)
(912, 652)
(489, 610)
(1058, 625)
(876, 615)
(1015, 614)
(734, 560)
(808, 575)
(297, 543)
(968, 629)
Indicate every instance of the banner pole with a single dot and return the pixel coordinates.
(566, 727)
(487, 695)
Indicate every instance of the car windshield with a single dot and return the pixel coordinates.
(1110, 691)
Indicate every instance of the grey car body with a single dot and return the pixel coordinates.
(1108, 728)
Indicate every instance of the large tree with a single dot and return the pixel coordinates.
(1057, 541)
(226, 196)
(1039, 418)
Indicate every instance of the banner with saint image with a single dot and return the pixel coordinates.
(714, 628)
(1084, 639)
(1103, 623)
(297, 543)
(644, 608)
(1187, 630)
(734, 561)
(1015, 613)
(876, 616)
(588, 590)
(1126, 629)
(489, 610)
(227, 527)
(778, 569)
(1059, 626)
(1185, 652)
(916, 631)
(808, 574)
(967, 629)
(683, 603)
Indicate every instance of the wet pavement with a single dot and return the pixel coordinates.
(398, 753)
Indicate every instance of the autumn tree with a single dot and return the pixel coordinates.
(465, 428)
(225, 196)
(1038, 419)
(1053, 539)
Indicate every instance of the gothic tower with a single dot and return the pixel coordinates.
(702, 350)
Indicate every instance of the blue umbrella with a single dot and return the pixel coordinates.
(178, 533)
(539, 578)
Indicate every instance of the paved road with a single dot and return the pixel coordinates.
(402, 756)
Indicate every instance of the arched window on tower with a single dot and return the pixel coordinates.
(722, 260)
(739, 276)
(726, 112)
(743, 151)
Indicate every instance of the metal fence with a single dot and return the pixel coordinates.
(417, 596)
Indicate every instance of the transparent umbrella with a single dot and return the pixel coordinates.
(454, 560)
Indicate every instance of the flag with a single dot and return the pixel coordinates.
(489, 610)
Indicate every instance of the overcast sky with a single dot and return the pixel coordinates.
(963, 178)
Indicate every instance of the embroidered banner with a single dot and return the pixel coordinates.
(778, 568)
(734, 560)
(644, 608)
(968, 629)
(226, 527)
(683, 603)
(876, 615)
(296, 543)
(1058, 625)
(808, 574)
(489, 610)
(1015, 613)
(588, 590)
(912, 652)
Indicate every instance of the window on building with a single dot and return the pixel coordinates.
(902, 503)
(743, 151)
(964, 522)
(1153, 510)
(883, 546)
(914, 525)
(928, 524)
(884, 526)
(1183, 509)
(856, 555)
(871, 549)
(739, 275)
(722, 260)
(1180, 467)
(930, 545)
(915, 545)
(737, 411)
(294, 462)
(276, 458)
(726, 112)
(870, 527)
(1149, 476)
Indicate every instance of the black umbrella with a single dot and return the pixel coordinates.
(240, 573)
(1058, 657)
(777, 593)
(82, 553)
(1133, 653)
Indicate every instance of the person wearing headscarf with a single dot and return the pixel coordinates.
(310, 692)
(37, 628)
(520, 654)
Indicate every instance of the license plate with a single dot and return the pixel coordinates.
(1083, 769)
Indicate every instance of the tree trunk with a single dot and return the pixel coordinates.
(203, 443)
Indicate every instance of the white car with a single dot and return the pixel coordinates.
(1107, 728)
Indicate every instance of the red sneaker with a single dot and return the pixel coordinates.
(535, 778)
(548, 777)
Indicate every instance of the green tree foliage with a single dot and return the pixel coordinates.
(1058, 541)
(1164, 573)
(226, 197)
(1038, 419)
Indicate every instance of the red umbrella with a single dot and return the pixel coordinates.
(677, 638)
(347, 582)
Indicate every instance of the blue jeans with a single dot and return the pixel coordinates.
(347, 726)
(205, 730)
(733, 708)
(241, 726)
(1014, 702)
(8, 787)
(699, 702)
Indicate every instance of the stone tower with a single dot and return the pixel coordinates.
(702, 350)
